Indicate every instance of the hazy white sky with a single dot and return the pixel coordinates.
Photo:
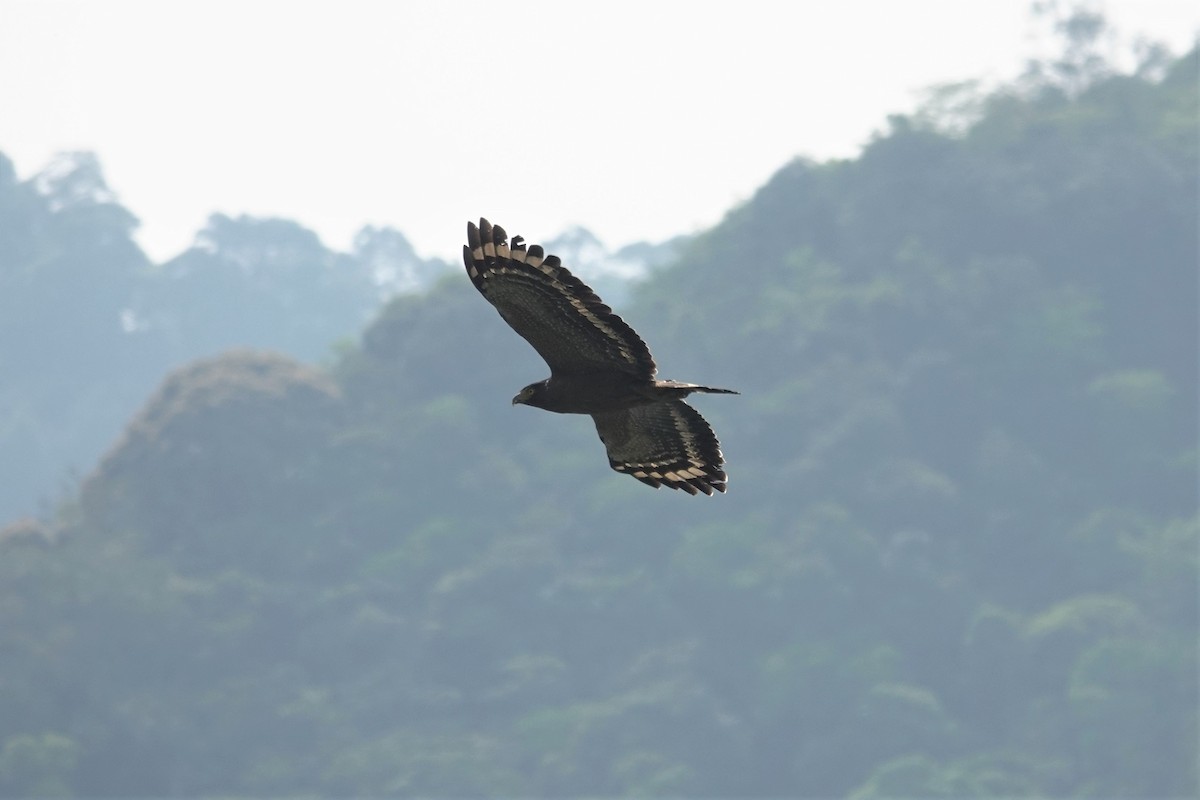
(639, 120)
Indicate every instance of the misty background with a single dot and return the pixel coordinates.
(269, 525)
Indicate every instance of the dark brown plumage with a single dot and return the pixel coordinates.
(598, 365)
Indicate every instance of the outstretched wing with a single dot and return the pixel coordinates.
(564, 320)
(663, 444)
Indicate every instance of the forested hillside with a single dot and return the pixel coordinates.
(958, 556)
(88, 325)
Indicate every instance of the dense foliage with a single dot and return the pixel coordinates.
(88, 325)
(958, 556)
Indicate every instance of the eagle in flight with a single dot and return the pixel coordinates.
(598, 365)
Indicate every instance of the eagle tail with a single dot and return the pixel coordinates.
(684, 389)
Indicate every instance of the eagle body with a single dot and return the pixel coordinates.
(597, 392)
(598, 365)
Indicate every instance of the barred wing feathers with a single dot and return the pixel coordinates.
(564, 320)
(663, 444)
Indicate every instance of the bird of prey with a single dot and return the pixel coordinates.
(598, 365)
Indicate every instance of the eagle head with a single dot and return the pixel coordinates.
(530, 394)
